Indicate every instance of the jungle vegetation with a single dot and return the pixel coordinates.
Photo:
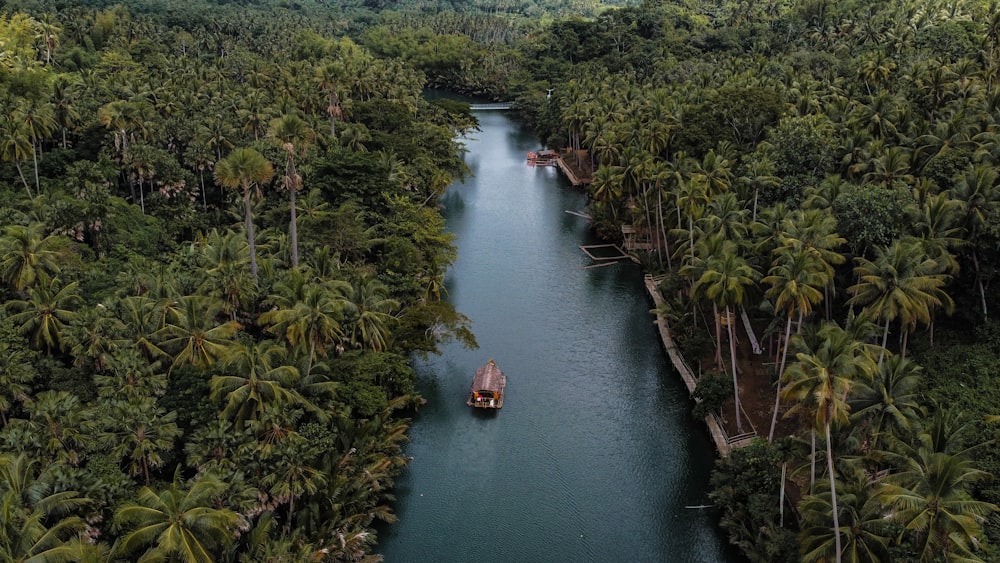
(222, 227)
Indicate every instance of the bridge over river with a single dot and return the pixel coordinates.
(492, 106)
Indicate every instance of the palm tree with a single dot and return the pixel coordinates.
(795, 279)
(370, 314)
(141, 433)
(294, 135)
(15, 145)
(27, 253)
(930, 498)
(199, 339)
(977, 189)
(866, 533)
(258, 378)
(49, 307)
(902, 282)
(308, 315)
(38, 523)
(724, 282)
(889, 403)
(245, 169)
(17, 372)
(826, 374)
(176, 524)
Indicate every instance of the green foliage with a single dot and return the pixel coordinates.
(870, 216)
(713, 389)
(746, 484)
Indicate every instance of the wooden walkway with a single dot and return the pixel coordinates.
(723, 443)
(569, 173)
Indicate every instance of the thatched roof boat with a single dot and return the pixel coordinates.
(487, 387)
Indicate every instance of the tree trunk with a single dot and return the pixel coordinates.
(781, 373)
(833, 487)
(17, 164)
(781, 496)
(250, 234)
(718, 337)
(293, 228)
(812, 462)
(979, 283)
(34, 155)
(885, 341)
(736, 386)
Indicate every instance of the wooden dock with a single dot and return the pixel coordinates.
(722, 442)
(569, 173)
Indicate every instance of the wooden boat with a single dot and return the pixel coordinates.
(543, 158)
(487, 387)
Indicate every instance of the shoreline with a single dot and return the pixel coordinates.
(722, 443)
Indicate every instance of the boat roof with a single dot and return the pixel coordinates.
(488, 377)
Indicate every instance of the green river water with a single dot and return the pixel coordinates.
(595, 455)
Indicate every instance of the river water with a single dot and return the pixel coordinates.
(595, 455)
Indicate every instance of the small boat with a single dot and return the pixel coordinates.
(487, 387)
(543, 158)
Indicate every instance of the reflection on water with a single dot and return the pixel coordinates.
(594, 455)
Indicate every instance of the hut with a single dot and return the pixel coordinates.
(487, 387)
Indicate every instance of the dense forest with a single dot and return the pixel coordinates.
(221, 244)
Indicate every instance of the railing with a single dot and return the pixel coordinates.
(738, 439)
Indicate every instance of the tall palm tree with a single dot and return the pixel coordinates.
(176, 524)
(977, 189)
(294, 135)
(795, 279)
(724, 282)
(866, 532)
(901, 282)
(245, 169)
(889, 403)
(826, 374)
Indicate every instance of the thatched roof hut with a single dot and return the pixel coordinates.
(487, 387)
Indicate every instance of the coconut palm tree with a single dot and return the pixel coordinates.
(27, 253)
(795, 279)
(48, 308)
(826, 374)
(197, 336)
(930, 498)
(255, 377)
(38, 524)
(245, 169)
(889, 403)
(308, 315)
(370, 314)
(176, 523)
(901, 282)
(862, 517)
(725, 281)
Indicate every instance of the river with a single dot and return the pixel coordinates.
(595, 455)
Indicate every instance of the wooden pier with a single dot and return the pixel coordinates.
(568, 171)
